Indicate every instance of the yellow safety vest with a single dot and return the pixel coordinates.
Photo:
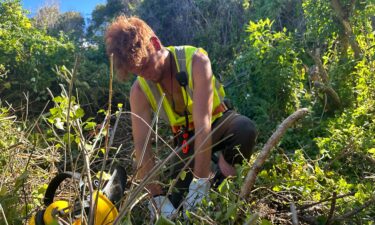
(183, 55)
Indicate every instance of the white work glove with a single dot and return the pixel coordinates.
(198, 189)
(162, 205)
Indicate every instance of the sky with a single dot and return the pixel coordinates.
(85, 7)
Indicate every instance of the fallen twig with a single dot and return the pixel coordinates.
(272, 141)
(325, 200)
(3, 213)
(355, 211)
(294, 213)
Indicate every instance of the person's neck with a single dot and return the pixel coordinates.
(169, 67)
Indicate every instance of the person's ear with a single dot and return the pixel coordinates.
(156, 43)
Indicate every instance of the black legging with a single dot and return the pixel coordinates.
(230, 132)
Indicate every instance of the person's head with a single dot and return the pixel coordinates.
(131, 41)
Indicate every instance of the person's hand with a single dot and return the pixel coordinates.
(198, 189)
(161, 204)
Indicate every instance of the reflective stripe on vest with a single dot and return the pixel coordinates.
(183, 55)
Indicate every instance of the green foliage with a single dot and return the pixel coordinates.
(215, 25)
(267, 78)
(92, 80)
(266, 74)
(68, 117)
(70, 23)
(318, 30)
(28, 55)
(222, 33)
(177, 31)
(285, 13)
(303, 180)
(104, 13)
(15, 150)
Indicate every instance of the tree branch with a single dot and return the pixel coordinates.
(303, 207)
(340, 14)
(264, 154)
(332, 210)
(332, 94)
(355, 211)
(318, 62)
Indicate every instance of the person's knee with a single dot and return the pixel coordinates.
(252, 131)
(247, 133)
(244, 138)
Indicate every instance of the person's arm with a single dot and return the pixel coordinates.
(202, 109)
(141, 114)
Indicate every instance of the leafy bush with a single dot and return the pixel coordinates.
(267, 78)
(21, 158)
(28, 55)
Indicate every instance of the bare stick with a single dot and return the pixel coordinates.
(70, 91)
(294, 213)
(332, 210)
(264, 154)
(3, 213)
(93, 203)
(355, 211)
(325, 200)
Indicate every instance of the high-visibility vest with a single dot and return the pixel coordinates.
(183, 55)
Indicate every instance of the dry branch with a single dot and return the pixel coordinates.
(265, 152)
(303, 207)
(330, 92)
(355, 211)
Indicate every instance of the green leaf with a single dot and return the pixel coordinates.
(265, 222)
(183, 175)
(223, 187)
(276, 188)
(102, 111)
(89, 126)
(372, 151)
(164, 221)
(58, 99)
(65, 138)
(3, 191)
(20, 180)
(54, 111)
(79, 113)
(231, 211)
(77, 139)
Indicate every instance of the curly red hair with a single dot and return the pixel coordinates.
(128, 40)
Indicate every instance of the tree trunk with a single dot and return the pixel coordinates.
(340, 14)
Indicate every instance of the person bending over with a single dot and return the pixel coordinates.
(192, 102)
